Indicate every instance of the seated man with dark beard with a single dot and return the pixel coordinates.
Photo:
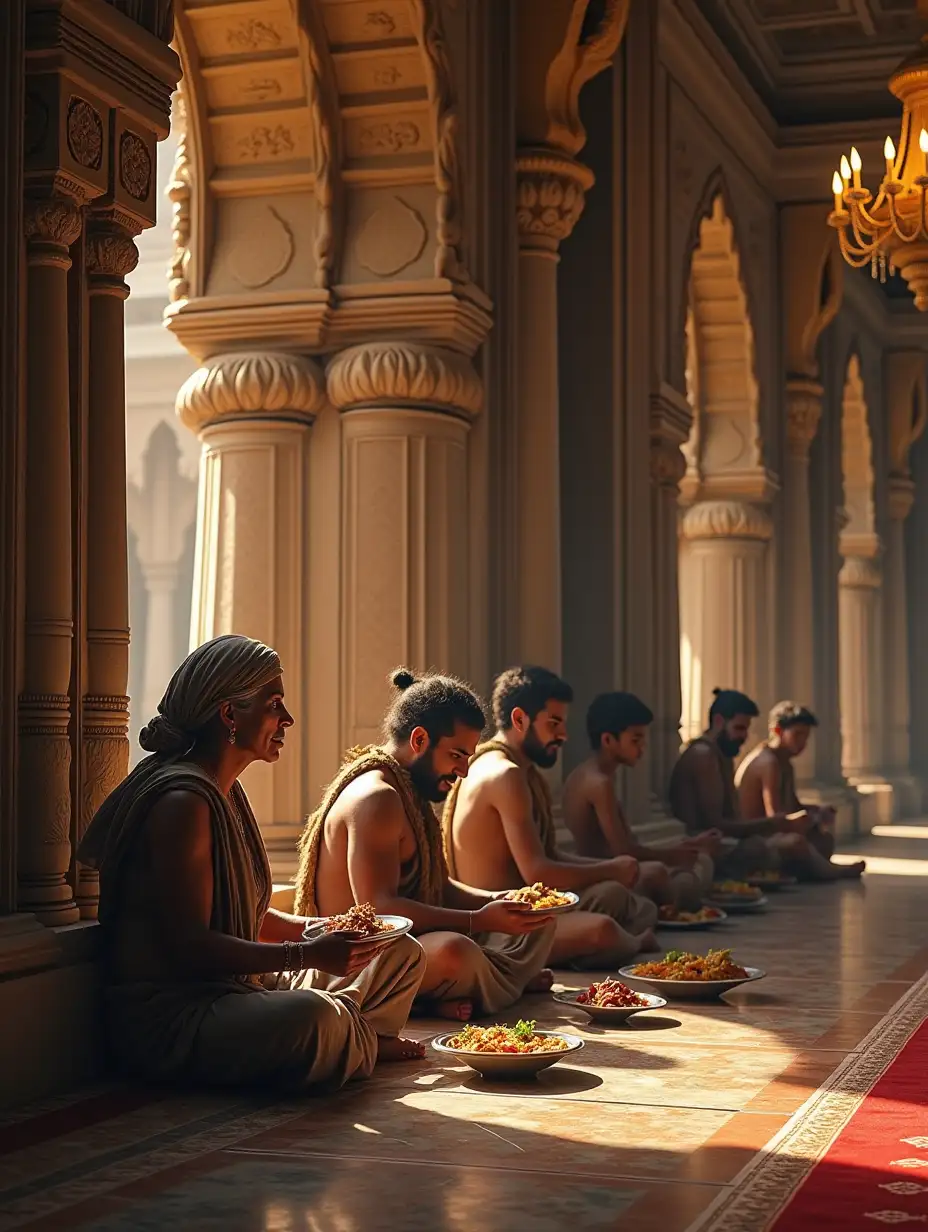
(499, 828)
(703, 794)
(375, 838)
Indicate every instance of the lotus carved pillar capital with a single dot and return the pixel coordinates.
(395, 374)
(901, 497)
(251, 386)
(726, 519)
(803, 413)
(550, 195)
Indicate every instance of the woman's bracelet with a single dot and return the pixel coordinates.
(294, 956)
(470, 924)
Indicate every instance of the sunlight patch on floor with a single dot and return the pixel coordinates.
(885, 866)
(900, 831)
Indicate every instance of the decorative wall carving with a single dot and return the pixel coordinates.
(585, 53)
(427, 23)
(134, 166)
(404, 374)
(257, 265)
(550, 197)
(860, 572)
(393, 236)
(179, 193)
(727, 519)
(388, 137)
(254, 35)
(323, 104)
(85, 134)
(251, 383)
(264, 142)
(261, 89)
(379, 23)
(668, 465)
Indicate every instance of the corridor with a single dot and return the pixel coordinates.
(648, 1129)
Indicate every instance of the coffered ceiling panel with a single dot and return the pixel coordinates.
(813, 61)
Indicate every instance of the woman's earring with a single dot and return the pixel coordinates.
(232, 736)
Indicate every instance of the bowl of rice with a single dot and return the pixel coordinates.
(503, 1051)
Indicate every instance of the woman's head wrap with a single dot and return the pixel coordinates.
(230, 668)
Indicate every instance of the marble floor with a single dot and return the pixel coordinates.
(646, 1130)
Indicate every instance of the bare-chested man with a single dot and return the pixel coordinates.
(678, 874)
(703, 794)
(499, 827)
(766, 784)
(375, 838)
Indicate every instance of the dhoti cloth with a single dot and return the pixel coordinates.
(310, 1031)
(633, 913)
(494, 968)
(754, 854)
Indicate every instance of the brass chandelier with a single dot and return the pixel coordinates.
(890, 232)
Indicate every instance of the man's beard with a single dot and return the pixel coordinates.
(427, 783)
(541, 755)
(730, 747)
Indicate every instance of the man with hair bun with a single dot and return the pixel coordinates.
(767, 784)
(375, 838)
(676, 874)
(499, 828)
(703, 794)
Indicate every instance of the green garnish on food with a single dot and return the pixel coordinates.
(523, 1029)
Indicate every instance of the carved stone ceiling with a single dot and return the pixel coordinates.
(814, 61)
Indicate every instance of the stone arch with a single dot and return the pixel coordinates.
(330, 131)
(860, 616)
(856, 460)
(720, 346)
(725, 638)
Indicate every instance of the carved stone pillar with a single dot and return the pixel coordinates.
(860, 661)
(669, 427)
(44, 848)
(252, 412)
(724, 605)
(111, 255)
(550, 196)
(896, 610)
(406, 411)
(803, 413)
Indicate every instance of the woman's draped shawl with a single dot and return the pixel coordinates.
(424, 880)
(542, 805)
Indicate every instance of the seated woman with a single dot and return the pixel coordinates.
(204, 982)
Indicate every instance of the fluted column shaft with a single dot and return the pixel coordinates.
(252, 412)
(160, 661)
(44, 847)
(111, 255)
(860, 667)
(803, 413)
(550, 200)
(896, 609)
(724, 605)
(406, 411)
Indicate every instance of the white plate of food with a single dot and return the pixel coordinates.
(542, 899)
(736, 896)
(682, 976)
(706, 917)
(506, 1052)
(362, 920)
(610, 1001)
(771, 880)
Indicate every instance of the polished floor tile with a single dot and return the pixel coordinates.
(642, 1130)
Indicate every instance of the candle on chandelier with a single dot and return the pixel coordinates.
(845, 170)
(923, 146)
(837, 187)
(889, 153)
(856, 165)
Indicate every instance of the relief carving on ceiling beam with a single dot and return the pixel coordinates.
(584, 54)
(444, 117)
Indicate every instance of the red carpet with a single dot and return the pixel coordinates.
(875, 1174)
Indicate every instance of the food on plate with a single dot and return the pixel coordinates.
(539, 897)
(680, 965)
(734, 889)
(673, 914)
(520, 1038)
(362, 918)
(611, 995)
